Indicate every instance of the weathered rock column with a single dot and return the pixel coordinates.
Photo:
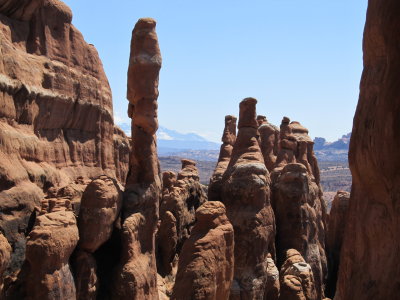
(269, 141)
(228, 140)
(205, 269)
(137, 277)
(246, 194)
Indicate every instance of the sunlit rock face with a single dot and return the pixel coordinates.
(228, 140)
(369, 259)
(137, 273)
(205, 269)
(246, 195)
(56, 116)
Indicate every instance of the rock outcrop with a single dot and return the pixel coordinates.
(182, 196)
(246, 195)
(137, 274)
(56, 117)
(100, 206)
(299, 219)
(5, 255)
(297, 282)
(369, 258)
(54, 237)
(206, 263)
(299, 208)
(334, 238)
(228, 140)
(269, 141)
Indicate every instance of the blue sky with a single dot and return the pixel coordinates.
(301, 59)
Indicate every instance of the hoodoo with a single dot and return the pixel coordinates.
(246, 195)
(137, 276)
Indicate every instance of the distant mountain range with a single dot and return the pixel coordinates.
(171, 142)
(332, 151)
(193, 146)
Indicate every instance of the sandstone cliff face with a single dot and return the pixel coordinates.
(56, 119)
(228, 140)
(246, 193)
(137, 274)
(369, 259)
(205, 269)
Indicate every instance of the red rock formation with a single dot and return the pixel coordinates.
(269, 141)
(100, 206)
(228, 140)
(137, 274)
(205, 269)
(272, 290)
(297, 282)
(181, 197)
(5, 255)
(56, 113)
(54, 237)
(369, 258)
(300, 219)
(334, 238)
(245, 194)
(85, 273)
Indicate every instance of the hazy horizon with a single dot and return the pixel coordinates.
(301, 60)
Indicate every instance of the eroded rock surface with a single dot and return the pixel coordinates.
(137, 274)
(269, 141)
(246, 195)
(228, 140)
(205, 269)
(56, 118)
(182, 196)
(334, 239)
(297, 281)
(369, 257)
(300, 220)
(54, 237)
(299, 207)
(100, 207)
(5, 255)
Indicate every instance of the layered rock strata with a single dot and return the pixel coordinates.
(205, 269)
(137, 274)
(56, 117)
(228, 140)
(246, 194)
(369, 257)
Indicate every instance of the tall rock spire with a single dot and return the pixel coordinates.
(246, 194)
(137, 277)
